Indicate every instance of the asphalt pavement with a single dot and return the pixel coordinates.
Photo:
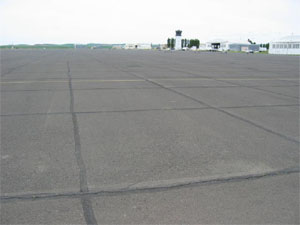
(149, 137)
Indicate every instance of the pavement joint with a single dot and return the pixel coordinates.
(56, 80)
(259, 89)
(152, 186)
(227, 81)
(146, 110)
(137, 88)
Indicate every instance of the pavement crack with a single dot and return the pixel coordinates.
(85, 200)
(257, 88)
(144, 110)
(150, 186)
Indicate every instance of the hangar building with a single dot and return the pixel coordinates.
(243, 47)
(222, 45)
(289, 45)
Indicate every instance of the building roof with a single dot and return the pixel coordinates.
(291, 38)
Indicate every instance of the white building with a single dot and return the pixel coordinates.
(202, 46)
(289, 45)
(217, 45)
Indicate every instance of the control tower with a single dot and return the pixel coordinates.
(178, 40)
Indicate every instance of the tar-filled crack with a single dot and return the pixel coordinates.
(233, 83)
(258, 88)
(146, 110)
(150, 187)
(85, 201)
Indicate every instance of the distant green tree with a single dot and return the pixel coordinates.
(191, 42)
(197, 43)
(264, 46)
(169, 42)
(194, 42)
(172, 43)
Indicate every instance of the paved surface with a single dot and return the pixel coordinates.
(115, 137)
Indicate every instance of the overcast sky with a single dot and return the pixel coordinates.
(145, 21)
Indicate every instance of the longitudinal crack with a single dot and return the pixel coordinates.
(85, 201)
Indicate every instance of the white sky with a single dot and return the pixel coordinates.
(145, 21)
